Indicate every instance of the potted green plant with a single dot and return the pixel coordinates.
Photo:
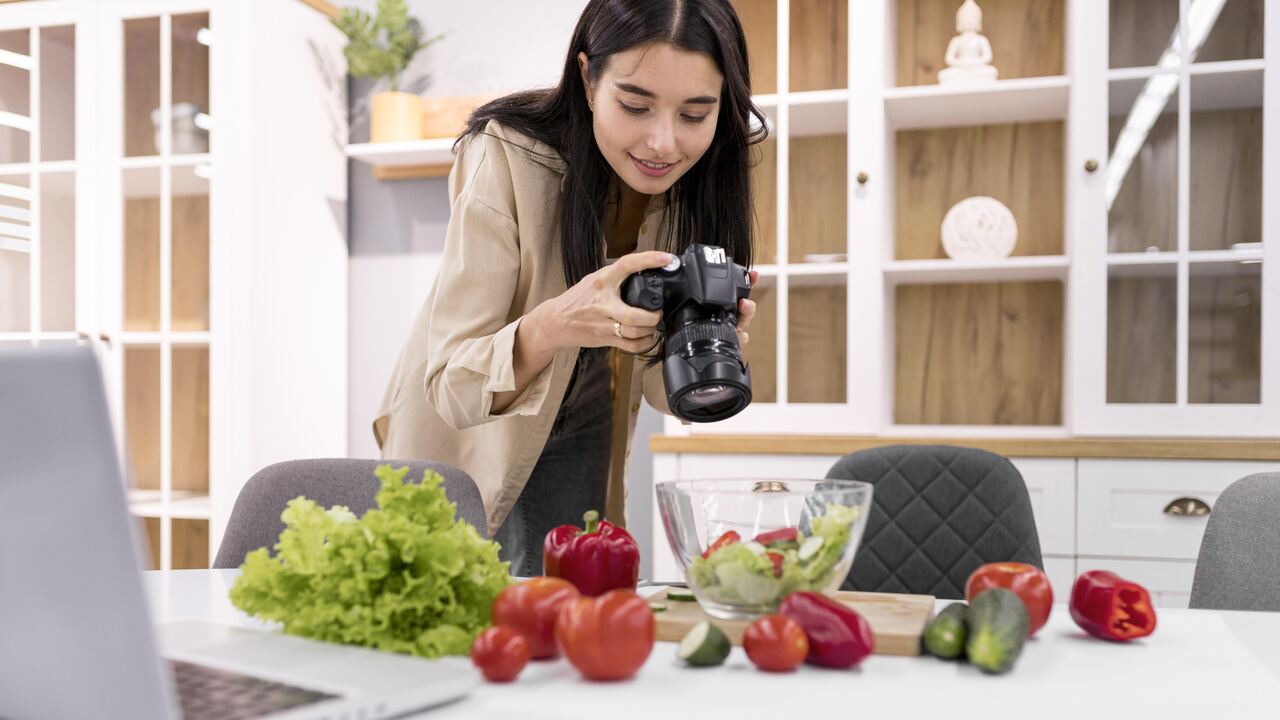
(382, 46)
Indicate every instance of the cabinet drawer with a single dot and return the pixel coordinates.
(1122, 504)
(1051, 483)
(1169, 582)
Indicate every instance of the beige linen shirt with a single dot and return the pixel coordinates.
(501, 259)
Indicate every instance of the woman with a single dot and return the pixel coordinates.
(522, 366)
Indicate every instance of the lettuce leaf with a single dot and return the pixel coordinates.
(404, 578)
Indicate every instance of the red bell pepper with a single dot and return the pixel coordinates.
(838, 636)
(781, 535)
(600, 558)
(776, 559)
(728, 538)
(1111, 608)
(607, 637)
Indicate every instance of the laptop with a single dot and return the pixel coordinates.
(76, 639)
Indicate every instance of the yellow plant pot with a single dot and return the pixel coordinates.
(445, 117)
(396, 116)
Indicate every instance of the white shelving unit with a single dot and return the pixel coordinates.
(1004, 101)
(435, 151)
(197, 272)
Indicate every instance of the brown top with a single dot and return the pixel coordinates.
(501, 260)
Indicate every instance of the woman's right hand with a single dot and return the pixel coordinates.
(592, 313)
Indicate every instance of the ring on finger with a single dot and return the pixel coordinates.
(617, 328)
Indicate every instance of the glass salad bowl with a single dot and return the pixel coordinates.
(745, 544)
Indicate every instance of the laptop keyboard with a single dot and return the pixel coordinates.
(208, 693)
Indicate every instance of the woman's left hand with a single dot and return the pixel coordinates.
(746, 311)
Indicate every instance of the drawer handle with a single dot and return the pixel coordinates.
(1187, 506)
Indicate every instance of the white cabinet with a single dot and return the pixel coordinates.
(1139, 508)
(1138, 298)
(173, 186)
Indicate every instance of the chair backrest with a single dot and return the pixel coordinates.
(255, 519)
(1239, 564)
(937, 513)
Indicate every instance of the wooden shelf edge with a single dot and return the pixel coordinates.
(1075, 447)
(327, 8)
(410, 172)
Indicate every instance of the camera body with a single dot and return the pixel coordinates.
(706, 377)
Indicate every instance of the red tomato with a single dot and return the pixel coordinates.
(531, 607)
(500, 652)
(1028, 582)
(775, 643)
(607, 637)
(728, 538)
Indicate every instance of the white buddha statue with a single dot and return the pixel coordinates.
(968, 54)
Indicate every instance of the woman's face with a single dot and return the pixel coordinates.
(654, 112)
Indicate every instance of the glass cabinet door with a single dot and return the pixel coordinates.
(1184, 203)
(164, 170)
(37, 181)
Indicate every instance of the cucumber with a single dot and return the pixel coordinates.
(657, 607)
(810, 547)
(704, 645)
(998, 625)
(680, 594)
(946, 633)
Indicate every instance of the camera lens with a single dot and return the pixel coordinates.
(711, 401)
(706, 377)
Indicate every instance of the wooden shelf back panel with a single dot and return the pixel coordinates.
(816, 349)
(1027, 38)
(1144, 213)
(759, 20)
(141, 84)
(191, 419)
(764, 186)
(15, 97)
(1224, 360)
(818, 217)
(988, 354)
(190, 544)
(819, 55)
(1021, 165)
(142, 414)
(190, 61)
(142, 262)
(1238, 32)
(1141, 339)
(1226, 177)
(762, 348)
(151, 525)
(190, 238)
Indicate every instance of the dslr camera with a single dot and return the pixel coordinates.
(706, 377)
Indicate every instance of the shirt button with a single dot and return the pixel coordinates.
(644, 229)
(635, 407)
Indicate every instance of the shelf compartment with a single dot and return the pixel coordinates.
(190, 437)
(1005, 101)
(818, 196)
(141, 84)
(759, 20)
(15, 98)
(1225, 165)
(817, 353)
(1027, 38)
(1224, 326)
(57, 252)
(1142, 318)
(1021, 165)
(819, 45)
(1028, 268)
(761, 351)
(141, 249)
(979, 354)
(57, 93)
(142, 415)
(189, 233)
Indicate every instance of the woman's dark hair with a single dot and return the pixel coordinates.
(713, 198)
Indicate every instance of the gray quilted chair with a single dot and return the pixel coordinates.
(937, 513)
(255, 519)
(1239, 564)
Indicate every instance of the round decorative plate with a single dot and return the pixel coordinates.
(979, 228)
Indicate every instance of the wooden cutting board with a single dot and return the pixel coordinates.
(898, 621)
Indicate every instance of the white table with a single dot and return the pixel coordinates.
(1199, 663)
